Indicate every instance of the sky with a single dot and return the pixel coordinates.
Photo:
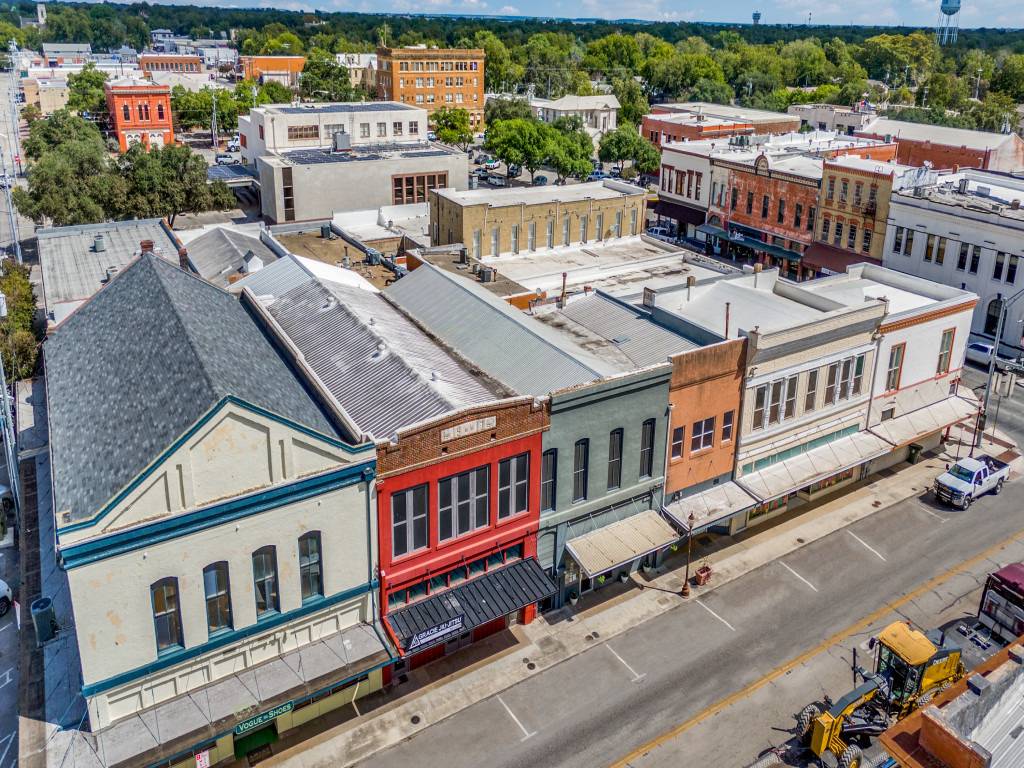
(914, 13)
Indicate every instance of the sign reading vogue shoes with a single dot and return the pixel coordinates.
(255, 722)
(468, 428)
(435, 633)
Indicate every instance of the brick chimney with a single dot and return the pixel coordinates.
(146, 246)
(183, 259)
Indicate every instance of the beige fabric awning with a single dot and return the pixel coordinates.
(621, 542)
(807, 468)
(928, 420)
(712, 505)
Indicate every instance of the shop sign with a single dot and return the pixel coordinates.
(203, 759)
(468, 428)
(435, 633)
(255, 722)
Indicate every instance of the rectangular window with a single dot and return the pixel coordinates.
(843, 189)
(618, 224)
(494, 241)
(838, 237)
(583, 228)
(832, 384)
(897, 240)
(513, 485)
(791, 387)
(565, 231)
(414, 126)
(477, 237)
(865, 245)
(678, 435)
(873, 195)
(702, 435)
(929, 248)
(548, 468)
(775, 404)
(945, 351)
(166, 614)
(812, 391)
(858, 193)
(264, 576)
(760, 406)
(851, 238)
(647, 449)
(599, 231)
(382, 129)
(811, 212)
(550, 239)
(735, 195)
(727, 426)
(845, 378)
(632, 221)
(909, 247)
(218, 596)
(614, 459)
(463, 503)
(531, 236)
(830, 190)
(1011, 270)
(798, 212)
(301, 132)
(858, 374)
(696, 190)
(940, 253)
(310, 578)
(975, 259)
(826, 224)
(408, 521)
(580, 461)
(750, 202)
(892, 375)
(764, 207)
(997, 273)
(782, 212)
(364, 130)
(515, 238)
(961, 260)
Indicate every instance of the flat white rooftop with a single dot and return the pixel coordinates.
(857, 291)
(570, 193)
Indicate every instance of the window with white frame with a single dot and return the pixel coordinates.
(513, 485)
(463, 503)
(409, 521)
(702, 435)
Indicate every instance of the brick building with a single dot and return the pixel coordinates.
(280, 69)
(692, 120)
(458, 500)
(432, 78)
(663, 129)
(169, 62)
(139, 112)
(949, 147)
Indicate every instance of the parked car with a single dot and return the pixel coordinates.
(235, 145)
(480, 159)
(615, 172)
(659, 233)
(540, 181)
(969, 478)
(483, 173)
(497, 181)
(980, 353)
(492, 164)
(515, 171)
(223, 158)
(598, 176)
(431, 136)
(6, 598)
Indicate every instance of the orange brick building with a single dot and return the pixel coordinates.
(280, 69)
(169, 62)
(432, 78)
(139, 112)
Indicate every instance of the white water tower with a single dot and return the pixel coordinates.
(949, 22)
(757, 18)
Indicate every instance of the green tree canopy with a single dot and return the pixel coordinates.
(85, 90)
(452, 127)
(520, 142)
(507, 108)
(324, 79)
(632, 100)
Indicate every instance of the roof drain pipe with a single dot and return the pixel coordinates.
(727, 320)
(562, 298)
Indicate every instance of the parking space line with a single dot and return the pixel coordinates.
(805, 581)
(527, 733)
(730, 626)
(636, 678)
(867, 546)
(10, 740)
(923, 508)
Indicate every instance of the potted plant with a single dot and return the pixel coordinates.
(674, 547)
(624, 577)
(573, 597)
(646, 566)
(703, 574)
(600, 579)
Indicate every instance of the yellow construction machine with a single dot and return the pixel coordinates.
(910, 668)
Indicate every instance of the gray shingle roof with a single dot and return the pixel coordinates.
(218, 254)
(139, 364)
(493, 335)
(383, 370)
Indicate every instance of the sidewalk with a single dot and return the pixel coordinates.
(448, 686)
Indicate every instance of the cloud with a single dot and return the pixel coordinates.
(508, 10)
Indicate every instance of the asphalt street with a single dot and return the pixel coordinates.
(9, 150)
(697, 664)
(1007, 413)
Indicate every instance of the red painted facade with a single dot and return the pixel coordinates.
(140, 112)
(429, 453)
(1007, 157)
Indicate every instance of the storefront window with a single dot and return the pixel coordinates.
(514, 553)
(477, 567)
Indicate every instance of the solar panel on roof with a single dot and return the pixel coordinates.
(431, 153)
(354, 107)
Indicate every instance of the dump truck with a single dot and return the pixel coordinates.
(969, 478)
(910, 667)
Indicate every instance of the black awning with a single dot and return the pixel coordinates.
(683, 213)
(471, 604)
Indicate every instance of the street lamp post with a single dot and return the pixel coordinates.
(685, 591)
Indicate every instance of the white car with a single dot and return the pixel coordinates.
(492, 164)
(980, 353)
(6, 598)
(497, 181)
(234, 145)
(659, 233)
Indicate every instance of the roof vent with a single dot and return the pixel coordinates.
(251, 263)
(1015, 205)
(112, 272)
(435, 376)
(984, 191)
(341, 142)
(962, 187)
(620, 339)
(99, 244)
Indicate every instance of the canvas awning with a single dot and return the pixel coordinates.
(621, 543)
(712, 231)
(928, 420)
(814, 465)
(711, 506)
(679, 212)
(826, 258)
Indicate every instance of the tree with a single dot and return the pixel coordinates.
(624, 143)
(324, 79)
(568, 158)
(711, 92)
(85, 90)
(1009, 80)
(632, 101)
(452, 127)
(520, 142)
(31, 113)
(507, 108)
(19, 335)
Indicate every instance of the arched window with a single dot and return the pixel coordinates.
(166, 614)
(146, 109)
(218, 596)
(140, 113)
(264, 576)
(310, 574)
(992, 316)
(160, 111)
(127, 112)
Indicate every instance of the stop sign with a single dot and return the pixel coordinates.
(17, 158)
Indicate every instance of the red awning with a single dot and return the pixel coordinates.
(825, 258)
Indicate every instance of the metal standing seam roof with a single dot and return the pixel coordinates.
(927, 420)
(488, 332)
(622, 542)
(710, 506)
(383, 370)
(219, 254)
(139, 364)
(276, 279)
(478, 601)
(72, 268)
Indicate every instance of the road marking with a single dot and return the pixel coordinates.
(6, 677)
(805, 581)
(824, 645)
(867, 546)
(10, 740)
(730, 626)
(923, 508)
(527, 733)
(636, 678)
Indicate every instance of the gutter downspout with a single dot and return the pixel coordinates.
(367, 477)
(668, 446)
(874, 377)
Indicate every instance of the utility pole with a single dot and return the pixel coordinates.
(977, 87)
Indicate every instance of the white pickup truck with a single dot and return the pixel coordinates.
(969, 478)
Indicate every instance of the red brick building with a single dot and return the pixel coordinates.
(458, 502)
(139, 112)
(949, 147)
(665, 129)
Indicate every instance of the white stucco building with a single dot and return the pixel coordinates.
(599, 113)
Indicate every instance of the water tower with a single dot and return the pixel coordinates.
(949, 21)
(757, 18)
